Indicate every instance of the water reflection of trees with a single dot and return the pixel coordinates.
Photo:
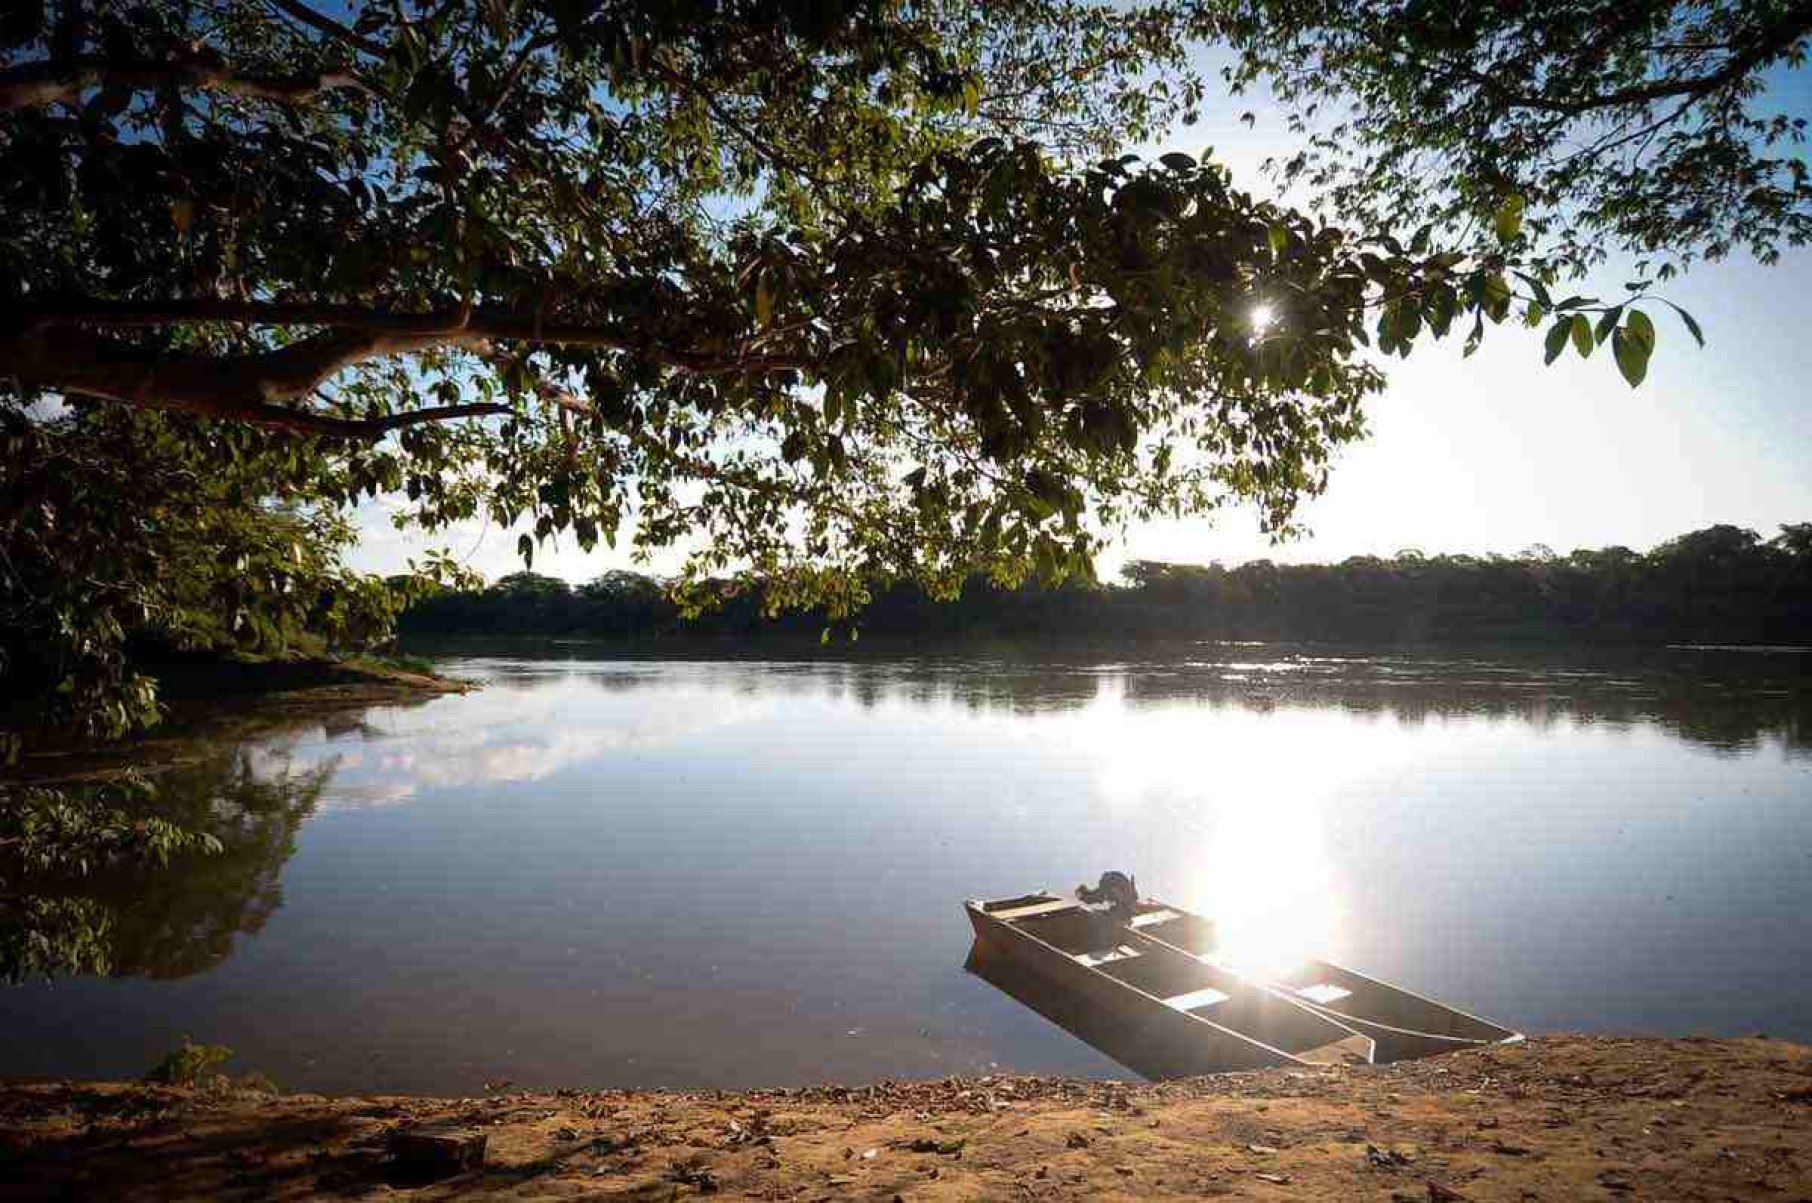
(115, 906)
(133, 914)
(1710, 714)
(1731, 701)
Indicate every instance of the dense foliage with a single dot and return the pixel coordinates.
(1643, 126)
(1721, 584)
(816, 292)
(121, 536)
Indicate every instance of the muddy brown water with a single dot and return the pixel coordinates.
(661, 872)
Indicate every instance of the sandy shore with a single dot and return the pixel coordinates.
(1556, 1118)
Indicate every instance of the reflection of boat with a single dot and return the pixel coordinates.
(1172, 1014)
(1403, 1025)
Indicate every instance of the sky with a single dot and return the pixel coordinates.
(1496, 453)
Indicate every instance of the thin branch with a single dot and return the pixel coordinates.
(1605, 146)
(333, 29)
(755, 141)
(1770, 43)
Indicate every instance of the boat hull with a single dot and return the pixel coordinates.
(1145, 1032)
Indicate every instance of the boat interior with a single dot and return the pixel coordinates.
(1347, 993)
(1328, 986)
(1178, 980)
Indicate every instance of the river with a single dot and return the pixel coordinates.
(720, 873)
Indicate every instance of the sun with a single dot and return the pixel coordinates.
(1262, 315)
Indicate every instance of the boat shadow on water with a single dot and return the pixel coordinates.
(1149, 1054)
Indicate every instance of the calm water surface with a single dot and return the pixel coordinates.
(661, 873)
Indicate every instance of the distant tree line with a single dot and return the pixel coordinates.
(1720, 584)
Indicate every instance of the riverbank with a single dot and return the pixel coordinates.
(211, 700)
(1555, 1118)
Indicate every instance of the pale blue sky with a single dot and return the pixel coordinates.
(1489, 454)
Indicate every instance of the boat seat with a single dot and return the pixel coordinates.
(1105, 955)
(1051, 907)
(1197, 1000)
(1323, 993)
(1150, 918)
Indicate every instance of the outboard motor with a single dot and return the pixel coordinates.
(1117, 890)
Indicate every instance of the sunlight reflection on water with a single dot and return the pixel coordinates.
(702, 873)
(1255, 858)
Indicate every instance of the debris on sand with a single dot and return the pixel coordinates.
(1562, 1117)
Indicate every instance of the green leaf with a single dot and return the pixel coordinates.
(1582, 335)
(1557, 339)
(972, 95)
(1508, 220)
(1497, 297)
(1641, 328)
(1538, 288)
(1280, 238)
(1607, 323)
(1692, 325)
(764, 298)
(1631, 354)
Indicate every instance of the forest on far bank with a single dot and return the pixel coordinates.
(1723, 584)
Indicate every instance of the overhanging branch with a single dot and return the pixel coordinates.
(246, 388)
(55, 347)
(1770, 43)
(33, 85)
(436, 327)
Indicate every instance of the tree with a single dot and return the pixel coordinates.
(824, 292)
(1644, 126)
(119, 530)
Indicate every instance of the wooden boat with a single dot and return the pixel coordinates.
(1187, 1015)
(1401, 1024)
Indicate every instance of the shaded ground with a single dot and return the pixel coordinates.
(1557, 1118)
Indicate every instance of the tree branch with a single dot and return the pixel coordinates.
(321, 23)
(31, 85)
(244, 388)
(755, 141)
(440, 327)
(53, 349)
(1770, 43)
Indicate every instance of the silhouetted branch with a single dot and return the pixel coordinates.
(30, 85)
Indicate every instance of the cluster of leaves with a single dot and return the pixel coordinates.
(190, 1064)
(618, 166)
(121, 532)
(1645, 127)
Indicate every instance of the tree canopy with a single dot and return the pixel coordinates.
(1638, 126)
(820, 293)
